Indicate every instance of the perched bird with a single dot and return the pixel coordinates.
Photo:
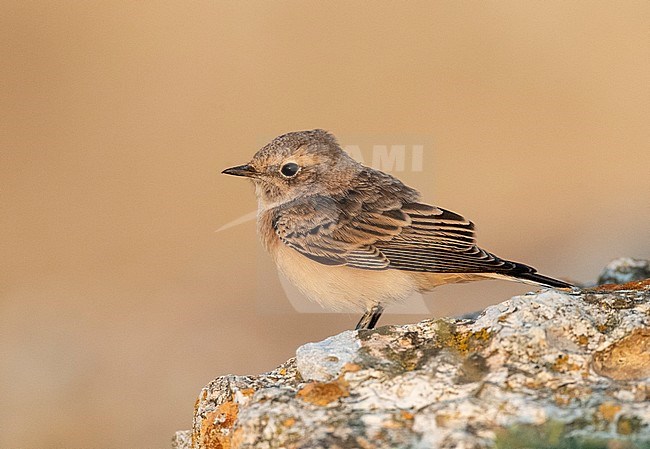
(354, 238)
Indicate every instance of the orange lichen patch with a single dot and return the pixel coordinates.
(196, 410)
(626, 359)
(400, 420)
(322, 393)
(393, 424)
(634, 285)
(289, 422)
(283, 371)
(216, 427)
(351, 368)
(602, 328)
(465, 342)
(608, 411)
(405, 342)
(583, 340)
(562, 364)
(363, 443)
(248, 392)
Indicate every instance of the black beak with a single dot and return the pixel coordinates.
(241, 170)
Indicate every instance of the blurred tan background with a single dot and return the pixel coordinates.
(118, 301)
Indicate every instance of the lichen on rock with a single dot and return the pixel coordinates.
(549, 369)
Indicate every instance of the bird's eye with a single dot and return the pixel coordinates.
(289, 170)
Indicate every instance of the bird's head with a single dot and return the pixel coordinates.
(297, 164)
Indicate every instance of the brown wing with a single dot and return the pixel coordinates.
(441, 241)
(386, 234)
(332, 232)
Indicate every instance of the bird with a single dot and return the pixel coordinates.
(354, 238)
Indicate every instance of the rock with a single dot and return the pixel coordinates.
(544, 370)
(325, 360)
(623, 270)
(182, 439)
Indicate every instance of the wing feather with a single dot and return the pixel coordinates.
(332, 235)
(372, 227)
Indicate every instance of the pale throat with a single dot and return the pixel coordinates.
(264, 202)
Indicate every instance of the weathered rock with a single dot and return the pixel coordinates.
(182, 439)
(546, 370)
(623, 270)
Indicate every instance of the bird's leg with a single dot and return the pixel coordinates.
(376, 314)
(370, 318)
(364, 321)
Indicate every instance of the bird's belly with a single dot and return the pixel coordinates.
(342, 287)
